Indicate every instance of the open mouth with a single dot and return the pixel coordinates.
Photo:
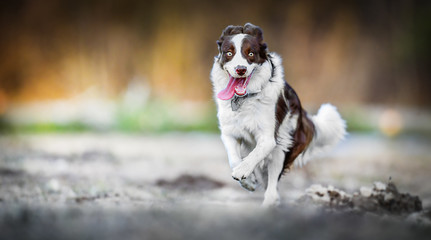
(236, 86)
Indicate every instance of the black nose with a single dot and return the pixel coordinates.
(240, 70)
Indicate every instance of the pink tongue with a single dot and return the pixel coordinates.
(235, 85)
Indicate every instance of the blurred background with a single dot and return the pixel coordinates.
(143, 66)
(108, 125)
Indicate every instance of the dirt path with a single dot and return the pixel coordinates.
(109, 185)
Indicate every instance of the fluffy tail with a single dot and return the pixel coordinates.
(330, 128)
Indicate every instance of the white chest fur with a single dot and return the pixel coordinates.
(257, 114)
(254, 116)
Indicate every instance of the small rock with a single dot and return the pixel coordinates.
(381, 199)
(316, 188)
(379, 186)
(388, 196)
(365, 191)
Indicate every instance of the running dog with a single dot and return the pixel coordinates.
(263, 126)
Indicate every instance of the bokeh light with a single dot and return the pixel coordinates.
(391, 122)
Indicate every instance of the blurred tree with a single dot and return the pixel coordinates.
(342, 51)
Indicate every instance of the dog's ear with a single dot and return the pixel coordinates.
(231, 30)
(257, 32)
(228, 31)
(254, 30)
(219, 43)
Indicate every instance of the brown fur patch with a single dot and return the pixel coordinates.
(252, 45)
(227, 46)
(281, 111)
(257, 33)
(287, 102)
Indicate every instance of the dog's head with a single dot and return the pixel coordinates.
(241, 50)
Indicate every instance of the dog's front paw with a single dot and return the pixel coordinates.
(249, 183)
(242, 171)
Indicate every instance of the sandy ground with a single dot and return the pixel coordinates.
(178, 186)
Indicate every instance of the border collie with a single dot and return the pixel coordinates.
(263, 126)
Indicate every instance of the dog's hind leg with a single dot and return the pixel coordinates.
(275, 166)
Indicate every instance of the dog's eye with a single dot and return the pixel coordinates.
(251, 54)
(229, 54)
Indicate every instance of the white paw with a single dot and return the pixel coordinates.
(249, 183)
(271, 201)
(242, 171)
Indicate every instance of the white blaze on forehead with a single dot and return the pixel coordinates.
(238, 59)
(237, 42)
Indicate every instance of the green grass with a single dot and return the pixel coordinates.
(357, 123)
(160, 117)
(165, 117)
(155, 117)
(44, 127)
